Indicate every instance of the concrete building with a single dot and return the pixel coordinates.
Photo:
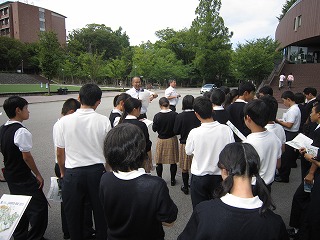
(24, 22)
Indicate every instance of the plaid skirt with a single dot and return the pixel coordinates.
(167, 151)
(184, 159)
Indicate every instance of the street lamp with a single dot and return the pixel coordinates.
(22, 66)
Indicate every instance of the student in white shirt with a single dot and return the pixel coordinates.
(266, 143)
(205, 143)
(172, 95)
(291, 124)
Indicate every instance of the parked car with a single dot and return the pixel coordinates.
(207, 88)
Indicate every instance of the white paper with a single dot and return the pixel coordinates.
(145, 99)
(300, 141)
(54, 192)
(12, 208)
(236, 131)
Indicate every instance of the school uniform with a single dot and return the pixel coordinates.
(85, 164)
(220, 114)
(15, 139)
(114, 117)
(167, 142)
(288, 158)
(268, 146)
(135, 204)
(184, 123)
(278, 130)
(231, 217)
(236, 114)
(205, 143)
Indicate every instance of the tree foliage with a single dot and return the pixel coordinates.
(212, 42)
(12, 52)
(254, 60)
(285, 8)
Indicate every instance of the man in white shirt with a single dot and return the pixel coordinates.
(80, 145)
(172, 95)
(137, 92)
(205, 143)
(281, 80)
(291, 124)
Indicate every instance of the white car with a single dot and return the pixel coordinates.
(207, 88)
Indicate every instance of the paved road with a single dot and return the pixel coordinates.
(45, 110)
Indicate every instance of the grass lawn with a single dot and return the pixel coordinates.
(25, 88)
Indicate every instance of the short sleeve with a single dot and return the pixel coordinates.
(190, 143)
(59, 139)
(23, 140)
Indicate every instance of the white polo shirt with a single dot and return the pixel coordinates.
(268, 146)
(205, 143)
(171, 92)
(82, 136)
(292, 115)
(278, 130)
(135, 94)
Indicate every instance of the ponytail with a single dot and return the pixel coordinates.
(264, 195)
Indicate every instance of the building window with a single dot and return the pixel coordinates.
(299, 21)
(41, 15)
(42, 26)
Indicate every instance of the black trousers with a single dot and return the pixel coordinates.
(300, 203)
(80, 184)
(289, 157)
(36, 213)
(202, 187)
(88, 223)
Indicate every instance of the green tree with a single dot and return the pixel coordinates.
(92, 66)
(254, 60)
(12, 53)
(97, 38)
(285, 8)
(212, 42)
(50, 55)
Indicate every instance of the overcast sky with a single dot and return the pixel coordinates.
(248, 19)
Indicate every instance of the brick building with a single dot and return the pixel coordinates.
(24, 22)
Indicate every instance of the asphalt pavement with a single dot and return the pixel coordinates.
(45, 110)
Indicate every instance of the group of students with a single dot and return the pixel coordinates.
(104, 164)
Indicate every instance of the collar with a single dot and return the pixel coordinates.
(130, 117)
(318, 126)
(130, 175)
(13, 121)
(246, 203)
(188, 110)
(311, 100)
(241, 100)
(115, 110)
(165, 110)
(218, 108)
(210, 124)
(85, 110)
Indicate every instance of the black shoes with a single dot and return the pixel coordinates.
(279, 179)
(185, 190)
(173, 182)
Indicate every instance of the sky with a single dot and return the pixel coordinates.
(140, 19)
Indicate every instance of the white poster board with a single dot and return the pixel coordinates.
(12, 208)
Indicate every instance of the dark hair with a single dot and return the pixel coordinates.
(299, 98)
(288, 94)
(187, 102)
(225, 89)
(217, 97)
(266, 90)
(272, 105)
(128, 105)
(125, 147)
(203, 107)
(122, 97)
(258, 111)
(115, 100)
(241, 159)
(207, 95)
(12, 103)
(70, 104)
(230, 96)
(317, 107)
(309, 90)
(164, 102)
(89, 94)
(246, 87)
